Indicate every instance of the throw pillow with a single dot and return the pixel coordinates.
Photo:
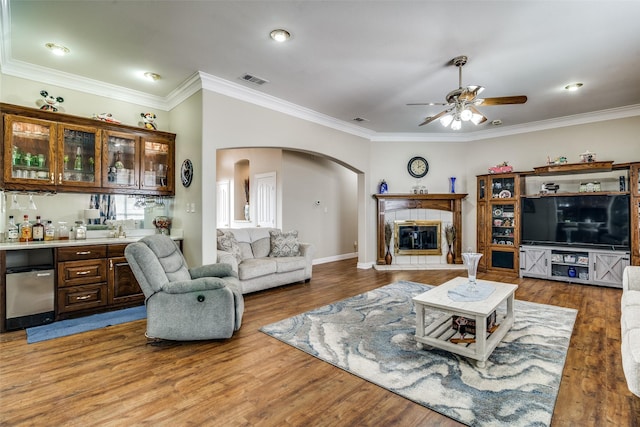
(284, 244)
(227, 242)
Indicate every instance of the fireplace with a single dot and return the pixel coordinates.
(417, 237)
(450, 202)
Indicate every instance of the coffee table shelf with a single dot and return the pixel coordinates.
(439, 332)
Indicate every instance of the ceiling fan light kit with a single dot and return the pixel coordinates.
(462, 102)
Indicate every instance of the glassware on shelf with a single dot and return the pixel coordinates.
(471, 260)
(14, 203)
(32, 204)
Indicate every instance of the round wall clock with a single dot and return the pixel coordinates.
(418, 167)
(186, 172)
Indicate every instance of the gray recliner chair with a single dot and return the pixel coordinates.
(184, 303)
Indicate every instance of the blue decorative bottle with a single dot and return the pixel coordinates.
(453, 184)
(383, 188)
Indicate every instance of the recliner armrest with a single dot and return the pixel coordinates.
(212, 270)
(195, 285)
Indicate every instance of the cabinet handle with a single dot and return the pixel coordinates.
(53, 178)
(84, 297)
(60, 177)
(82, 273)
(83, 253)
(110, 264)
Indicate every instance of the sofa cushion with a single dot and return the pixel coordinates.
(284, 244)
(286, 264)
(261, 247)
(227, 242)
(631, 316)
(256, 267)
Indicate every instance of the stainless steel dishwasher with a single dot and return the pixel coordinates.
(30, 287)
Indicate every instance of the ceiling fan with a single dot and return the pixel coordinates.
(462, 102)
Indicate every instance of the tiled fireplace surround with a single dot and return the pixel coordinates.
(445, 208)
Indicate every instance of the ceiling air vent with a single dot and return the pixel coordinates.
(253, 79)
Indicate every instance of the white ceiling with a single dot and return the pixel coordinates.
(348, 59)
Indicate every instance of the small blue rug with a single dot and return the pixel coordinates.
(84, 324)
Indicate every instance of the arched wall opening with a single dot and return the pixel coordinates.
(316, 195)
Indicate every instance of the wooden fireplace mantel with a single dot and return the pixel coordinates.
(451, 202)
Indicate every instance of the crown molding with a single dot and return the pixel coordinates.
(242, 93)
(574, 120)
(200, 80)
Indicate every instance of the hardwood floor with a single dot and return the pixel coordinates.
(113, 377)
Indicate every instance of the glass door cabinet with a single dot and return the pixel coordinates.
(79, 156)
(122, 159)
(29, 145)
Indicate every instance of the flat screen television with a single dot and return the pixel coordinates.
(590, 220)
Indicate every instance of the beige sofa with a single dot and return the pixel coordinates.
(630, 327)
(261, 266)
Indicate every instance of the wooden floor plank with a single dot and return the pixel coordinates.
(114, 377)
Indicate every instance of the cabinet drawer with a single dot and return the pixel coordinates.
(116, 250)
(82, 252)
(82, 297)
(72, 273)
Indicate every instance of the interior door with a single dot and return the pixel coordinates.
(265, 196)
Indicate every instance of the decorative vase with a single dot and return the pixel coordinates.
(246, 212)
(471, 260)
(388, 258)
(162, 224)
(450, 255)
(453, 184)
(383, 187)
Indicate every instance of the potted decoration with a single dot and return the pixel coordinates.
(450, 235)
(388, 232)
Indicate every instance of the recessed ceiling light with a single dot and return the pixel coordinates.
(573, 87)
(280, 35)
(151, 76)
(57, 49)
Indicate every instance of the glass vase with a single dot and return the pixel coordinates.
(453, 184)
(471, 260)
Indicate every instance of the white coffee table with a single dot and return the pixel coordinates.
(439, 333)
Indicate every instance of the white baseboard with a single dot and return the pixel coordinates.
(334, 258)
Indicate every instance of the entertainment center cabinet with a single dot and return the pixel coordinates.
(575, 265)
(590, 250)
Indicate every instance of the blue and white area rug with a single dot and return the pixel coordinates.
(372, 336)
(83, 324)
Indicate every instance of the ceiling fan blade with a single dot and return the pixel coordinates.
(469, 93)
(437, 116)
(503, 100)
(474, 110)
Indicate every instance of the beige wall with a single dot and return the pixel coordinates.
(230, 123)
(25, 92)
(207, 122)
(615, 140)
(331, 225)
(186, 122)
